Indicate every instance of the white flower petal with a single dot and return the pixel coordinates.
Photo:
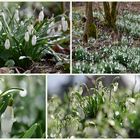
(41, 16)
(34, 39)
(27, 36)
(0, 25)
(7, 44)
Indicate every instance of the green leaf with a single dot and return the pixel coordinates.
(29, 133)
(10, 90)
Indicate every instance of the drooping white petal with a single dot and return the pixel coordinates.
(30, 29)
(27, 36)
(64, 24)
(0, 25)
(34, 39)
(50, 28)
(7, 44)
(16, 16)
(41, 16)
(7, 119)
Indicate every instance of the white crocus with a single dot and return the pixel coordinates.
(27, 36)
(34, 39)
(0, 25)
(7, 44)
(64, 24)
(30, 29)
(7, 120)
(16, 16)
(41, 16)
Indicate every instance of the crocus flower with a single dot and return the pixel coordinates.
(7, 44)
(27, 36)
(41, 16)
(34, 40)
(7, 120)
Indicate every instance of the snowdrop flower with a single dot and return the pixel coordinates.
(52, 33)
(34, 40)
(7, 44)
(50, 27)
(27, 36)
(16, 16)
(7, 120)
(64, 24)
(115, 86)
(59, 28)
(41, 16)
(0, 25)
(30, 29)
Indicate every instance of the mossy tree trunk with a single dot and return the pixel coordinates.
(110, 10)
(63, 7)
(90, 28)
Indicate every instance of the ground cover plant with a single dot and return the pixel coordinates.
(34, 38)
(22, 106)
(97, 112)
(112, 49)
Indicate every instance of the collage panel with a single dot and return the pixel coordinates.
(22, 106)
(105, 37)
(34, 37)
(93, 106)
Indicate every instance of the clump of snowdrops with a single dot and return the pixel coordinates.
(24, 40)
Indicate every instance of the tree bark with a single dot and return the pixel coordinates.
(90, 28)
(110, 10)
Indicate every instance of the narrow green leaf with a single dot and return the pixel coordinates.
(10, 90)
(30, 131)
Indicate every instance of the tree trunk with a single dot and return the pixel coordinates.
(110, 10)
(90, 28)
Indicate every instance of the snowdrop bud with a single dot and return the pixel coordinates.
(27, 36)
(0, 25)
(30, 29)
(7, 119)
(16, 16)
(41, 16)
(7, 44)
(34, 40)
(64, 24)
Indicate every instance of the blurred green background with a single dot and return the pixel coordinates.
(29, 105)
